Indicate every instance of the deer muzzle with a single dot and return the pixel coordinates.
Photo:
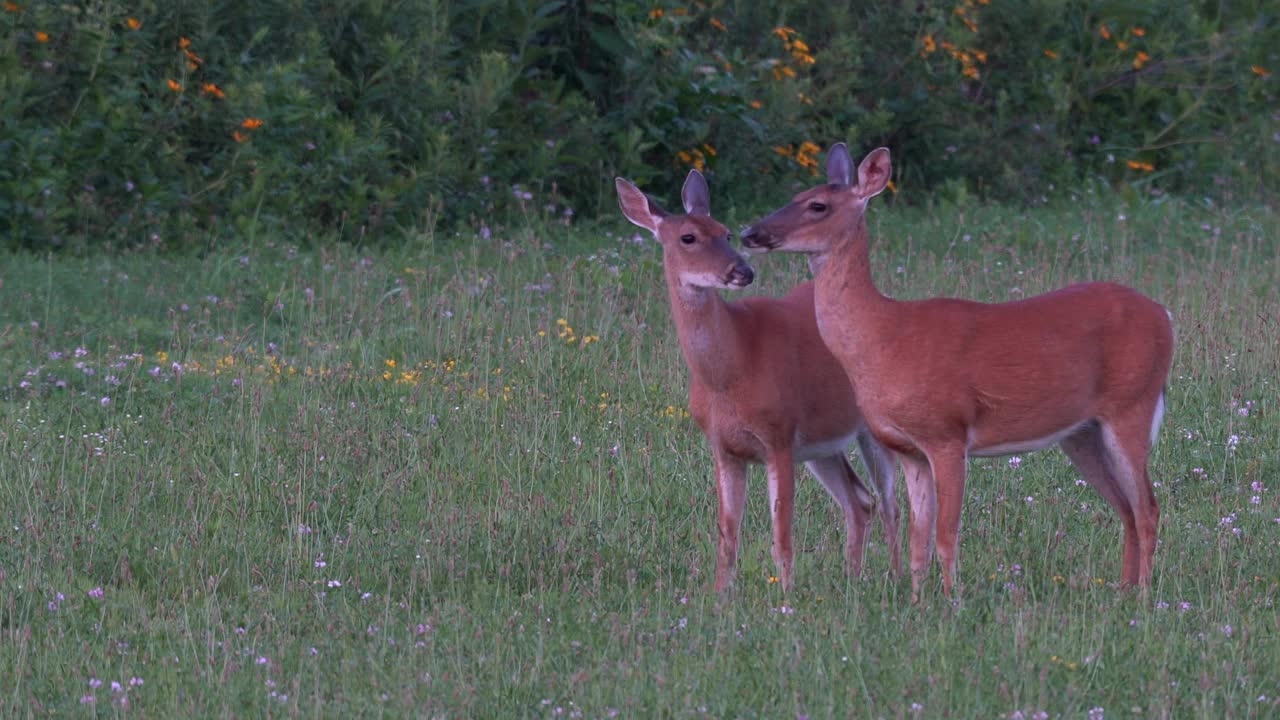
(740, 275)
(758, 238)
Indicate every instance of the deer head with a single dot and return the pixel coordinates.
(818, 217)
(695, 248)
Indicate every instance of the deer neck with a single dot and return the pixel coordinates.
(846, 295)
(708, 336)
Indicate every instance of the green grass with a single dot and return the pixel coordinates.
(520, 522)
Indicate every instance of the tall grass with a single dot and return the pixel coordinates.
(456, 480)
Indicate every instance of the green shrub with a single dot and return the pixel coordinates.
(189, 124)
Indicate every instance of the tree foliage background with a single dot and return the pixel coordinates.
(184, 123)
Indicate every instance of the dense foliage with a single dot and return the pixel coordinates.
(184, 123)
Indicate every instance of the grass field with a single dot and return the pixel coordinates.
(456, 480)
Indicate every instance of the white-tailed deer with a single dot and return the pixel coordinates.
(941, 380)
(762, 386)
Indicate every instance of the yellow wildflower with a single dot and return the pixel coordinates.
(133, 23)
(42, 36)
(174, 85)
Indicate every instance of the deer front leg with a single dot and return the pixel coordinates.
(782, 497)
(948, 466)
(731, 489)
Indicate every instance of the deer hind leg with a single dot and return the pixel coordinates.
(923, 501)
(948, 466)
(731, 489)
(1088, 452)
(1128, 444)
(782, 498)
(880, 464)
(855, 501)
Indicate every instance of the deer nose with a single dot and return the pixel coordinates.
(752, 237)
(742, 275)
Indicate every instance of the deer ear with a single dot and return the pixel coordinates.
(695, 196)
(839, 165)
(638, 208)
(873, 173)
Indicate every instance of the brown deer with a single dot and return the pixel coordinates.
(941, 380)
(762, 386)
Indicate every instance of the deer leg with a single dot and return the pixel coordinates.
(924, 506)
(782, 498)
(731, 489)
(948, 465)
(880, 464)
(855, 501)
(1088, 452)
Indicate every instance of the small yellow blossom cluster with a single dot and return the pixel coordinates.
(658, 13)
(968, 57)
(565, 332)
(196, 63)
(800, 53)
(697, 157)
(673, 412)
(250, 123)
(967, 13)
(1064, 663)
(1122, 41)
(806, 156)
(445, 376)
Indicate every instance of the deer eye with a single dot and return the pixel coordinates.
(818, 207)
(688, 239)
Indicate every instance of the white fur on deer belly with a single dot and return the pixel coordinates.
(1020, 446)
(806, 451)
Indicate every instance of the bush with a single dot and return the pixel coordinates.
(189, 123)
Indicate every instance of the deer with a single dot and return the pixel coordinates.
(762, 387)
(941, 380)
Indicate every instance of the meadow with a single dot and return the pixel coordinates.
(456, 478)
